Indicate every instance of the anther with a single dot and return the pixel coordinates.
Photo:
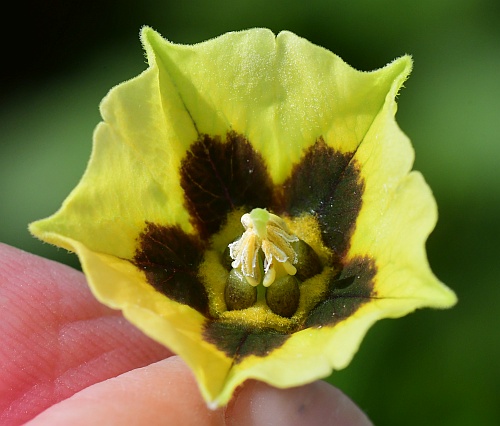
(265, 235)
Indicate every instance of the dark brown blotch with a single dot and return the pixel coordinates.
(170, 259)
(327, 184)
(239, 341)
(218, 176)
(346, 293)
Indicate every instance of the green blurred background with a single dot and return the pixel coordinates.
(429, 368)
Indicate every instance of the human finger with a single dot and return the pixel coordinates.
(56, 337)
(164, 393)
(317, 403)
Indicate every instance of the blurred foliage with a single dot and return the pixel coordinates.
(432, 368)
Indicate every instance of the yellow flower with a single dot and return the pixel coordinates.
(249, 204)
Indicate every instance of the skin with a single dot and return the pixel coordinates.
(67, 359)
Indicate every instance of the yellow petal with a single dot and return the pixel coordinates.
(281, 92)
(397, 215)
(131, 178)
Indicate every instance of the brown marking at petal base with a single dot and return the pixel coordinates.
(327, 184)
(170, 259)
(239, 341)
(346, 293)
(218, 177)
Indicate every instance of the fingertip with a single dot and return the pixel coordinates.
(257, 403)
(163, 393)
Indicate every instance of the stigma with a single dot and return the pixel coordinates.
(264, 252)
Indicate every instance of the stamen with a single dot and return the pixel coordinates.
(268, 234)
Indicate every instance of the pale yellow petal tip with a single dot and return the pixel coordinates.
(220, 401)
(438, 294)
(33, 228)
(447, 298)
(38, 229)
(44, 231)
(407, 61)
(435, 295)
(147, 33)
(405, 66)
(213, 405)
(216, 397)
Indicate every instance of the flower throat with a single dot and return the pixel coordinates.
(267, 253)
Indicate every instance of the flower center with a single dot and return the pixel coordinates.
(267, 269)
(265, 248)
